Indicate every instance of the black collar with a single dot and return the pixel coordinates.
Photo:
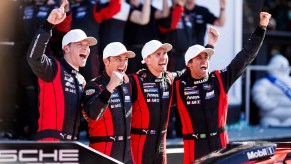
(68, 67)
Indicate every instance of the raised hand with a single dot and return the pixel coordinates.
(213, 35)
(57, 15)
(264, 19)
(115, 80)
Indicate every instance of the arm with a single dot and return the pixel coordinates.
(142, 17)
(221, 19)
(249, 52)
(96, 99)
(108, 12)
(175, 16)
(164, 12)
(44, 67)
(213, 36)
(65, 26)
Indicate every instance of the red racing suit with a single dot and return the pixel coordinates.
(203, 103)
(60, 90)
(151, 97)
(109, 118)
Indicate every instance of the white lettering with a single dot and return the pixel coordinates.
(8, 156)
(22, 153)
(53, 155)
(34, 155)
(257, 154)
(69, 155)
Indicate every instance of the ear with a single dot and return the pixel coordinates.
(106, 61)
(66, 49)
(147, 61)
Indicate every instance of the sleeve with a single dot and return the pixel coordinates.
(95, 100)
(210, 17)
(243, 58)
(106, 12)
(174, 18)
(43, 66)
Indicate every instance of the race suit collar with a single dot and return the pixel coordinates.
(152, 77)
(198, 81)
(68, 67)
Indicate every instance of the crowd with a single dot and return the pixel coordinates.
(181, 23)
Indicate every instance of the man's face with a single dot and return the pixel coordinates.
(199, 66)
(116, 63)
(76, 53)
(158, 61)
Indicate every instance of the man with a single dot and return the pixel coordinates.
(151, 97)
(32, 14)
(200, 16)
(202, 97)
(138, 34)
(107, 105)
(60, 84)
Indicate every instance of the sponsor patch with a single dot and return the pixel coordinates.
(70, 90)
(193, 92)
(114, 100)
(153, 100)
(207, 87)
(209, 95)
(114, 95)
(127, 99)
(193, 102)
(152, 95)
(115, 106)
(190, 88)
(149, 85)
(89, 92)
(200, 81)
(192, 97)
(125, 90)
(166, 95)
(150, 90)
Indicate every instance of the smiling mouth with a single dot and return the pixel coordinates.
(162, 64)
(203, 68)
(120, 70)
(83, 56)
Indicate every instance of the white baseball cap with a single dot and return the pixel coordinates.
(77, 35)
(152, 46)
(115, 49)
(195, 50)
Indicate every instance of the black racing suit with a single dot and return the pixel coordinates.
(60, 89)
(203, 103)
(109, 118)
(151, 97)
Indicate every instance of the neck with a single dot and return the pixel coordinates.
(155, 73)
(190, 5)
(70, 63)
(194, 76)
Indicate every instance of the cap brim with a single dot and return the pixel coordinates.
(91, 40)
(167, 47)
(209, 51)
(130, 54)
